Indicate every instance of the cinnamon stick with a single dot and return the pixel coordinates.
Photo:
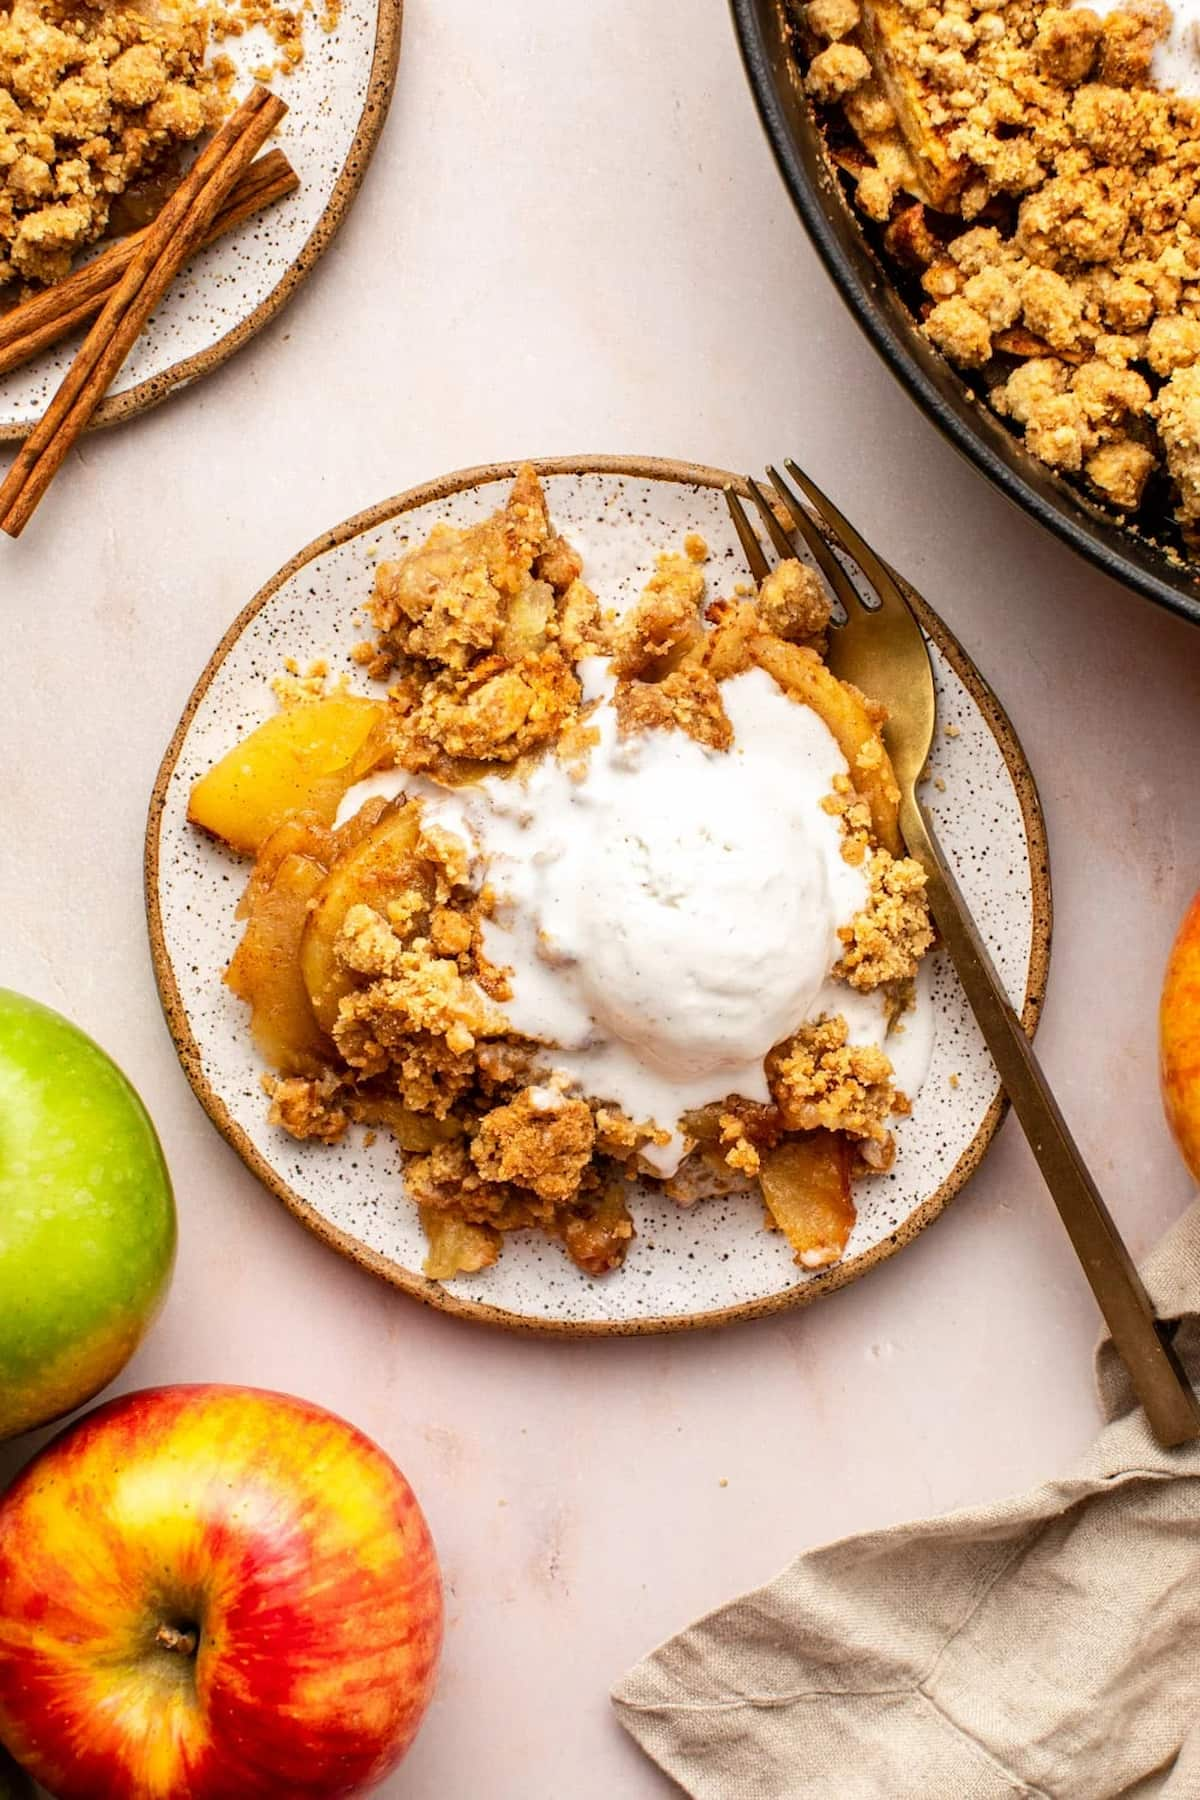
(36, 324)
(170, 241)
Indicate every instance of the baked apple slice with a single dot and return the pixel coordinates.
(302, 760)
(803, 675)
(887, 37)
(456, 1247)
(598, 1230)
(806, 1185)
(265, 970)
(303, 834)
(415, 1131)
(381, 867)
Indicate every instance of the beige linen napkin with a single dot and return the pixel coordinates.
(1043, 1646)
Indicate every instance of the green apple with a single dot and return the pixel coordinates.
(87, 1221)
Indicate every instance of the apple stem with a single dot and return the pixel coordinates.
(171, 1638)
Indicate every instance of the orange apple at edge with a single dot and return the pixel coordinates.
(1179, 1039)
(217, 1592)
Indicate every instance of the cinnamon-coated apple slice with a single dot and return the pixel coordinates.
(302, 834)
(303, 759)
(806, 1185)
(265, 970)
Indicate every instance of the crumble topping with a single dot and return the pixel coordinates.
(665, 622)
(820, 1080)
(836, 72)
(92, 100)
(793, 604)
(453, 596)
(1046, 193)
(293, 684)
(494, 711)
(741, 1155)
(885, 943)
(447, 1180)
(97, 103)
(483, 626)
(686, 700)
(308, 1109)
(546, 1149)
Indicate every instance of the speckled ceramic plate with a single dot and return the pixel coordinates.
(338, 100)
(704, 1266)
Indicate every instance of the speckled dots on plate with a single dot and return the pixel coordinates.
(703, 1266)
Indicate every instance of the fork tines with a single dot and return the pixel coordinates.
(790, 524)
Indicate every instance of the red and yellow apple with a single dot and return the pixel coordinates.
(214, 1593)
(1179, 1039)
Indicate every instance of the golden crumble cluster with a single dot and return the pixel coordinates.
(1045, 191)
(481, 628)
(887, 940)
(364, 958)
(93, 100)
(98, 102)
(821, 1081)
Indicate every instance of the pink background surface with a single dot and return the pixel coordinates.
(573, 239)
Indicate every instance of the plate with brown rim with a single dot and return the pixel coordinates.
(688, 1267)
(338, 100)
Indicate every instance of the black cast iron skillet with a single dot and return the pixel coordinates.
(1132, 556)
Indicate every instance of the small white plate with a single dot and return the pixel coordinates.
(337, 102)
(702, 1266)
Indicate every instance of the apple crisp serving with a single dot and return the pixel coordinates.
(584, 899)
(98, 102)
(1032, 174)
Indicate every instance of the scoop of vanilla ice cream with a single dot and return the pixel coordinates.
(695, 894)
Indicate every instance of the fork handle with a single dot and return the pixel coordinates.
(1158, 1377)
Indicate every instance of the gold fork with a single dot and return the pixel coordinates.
(881, 648)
